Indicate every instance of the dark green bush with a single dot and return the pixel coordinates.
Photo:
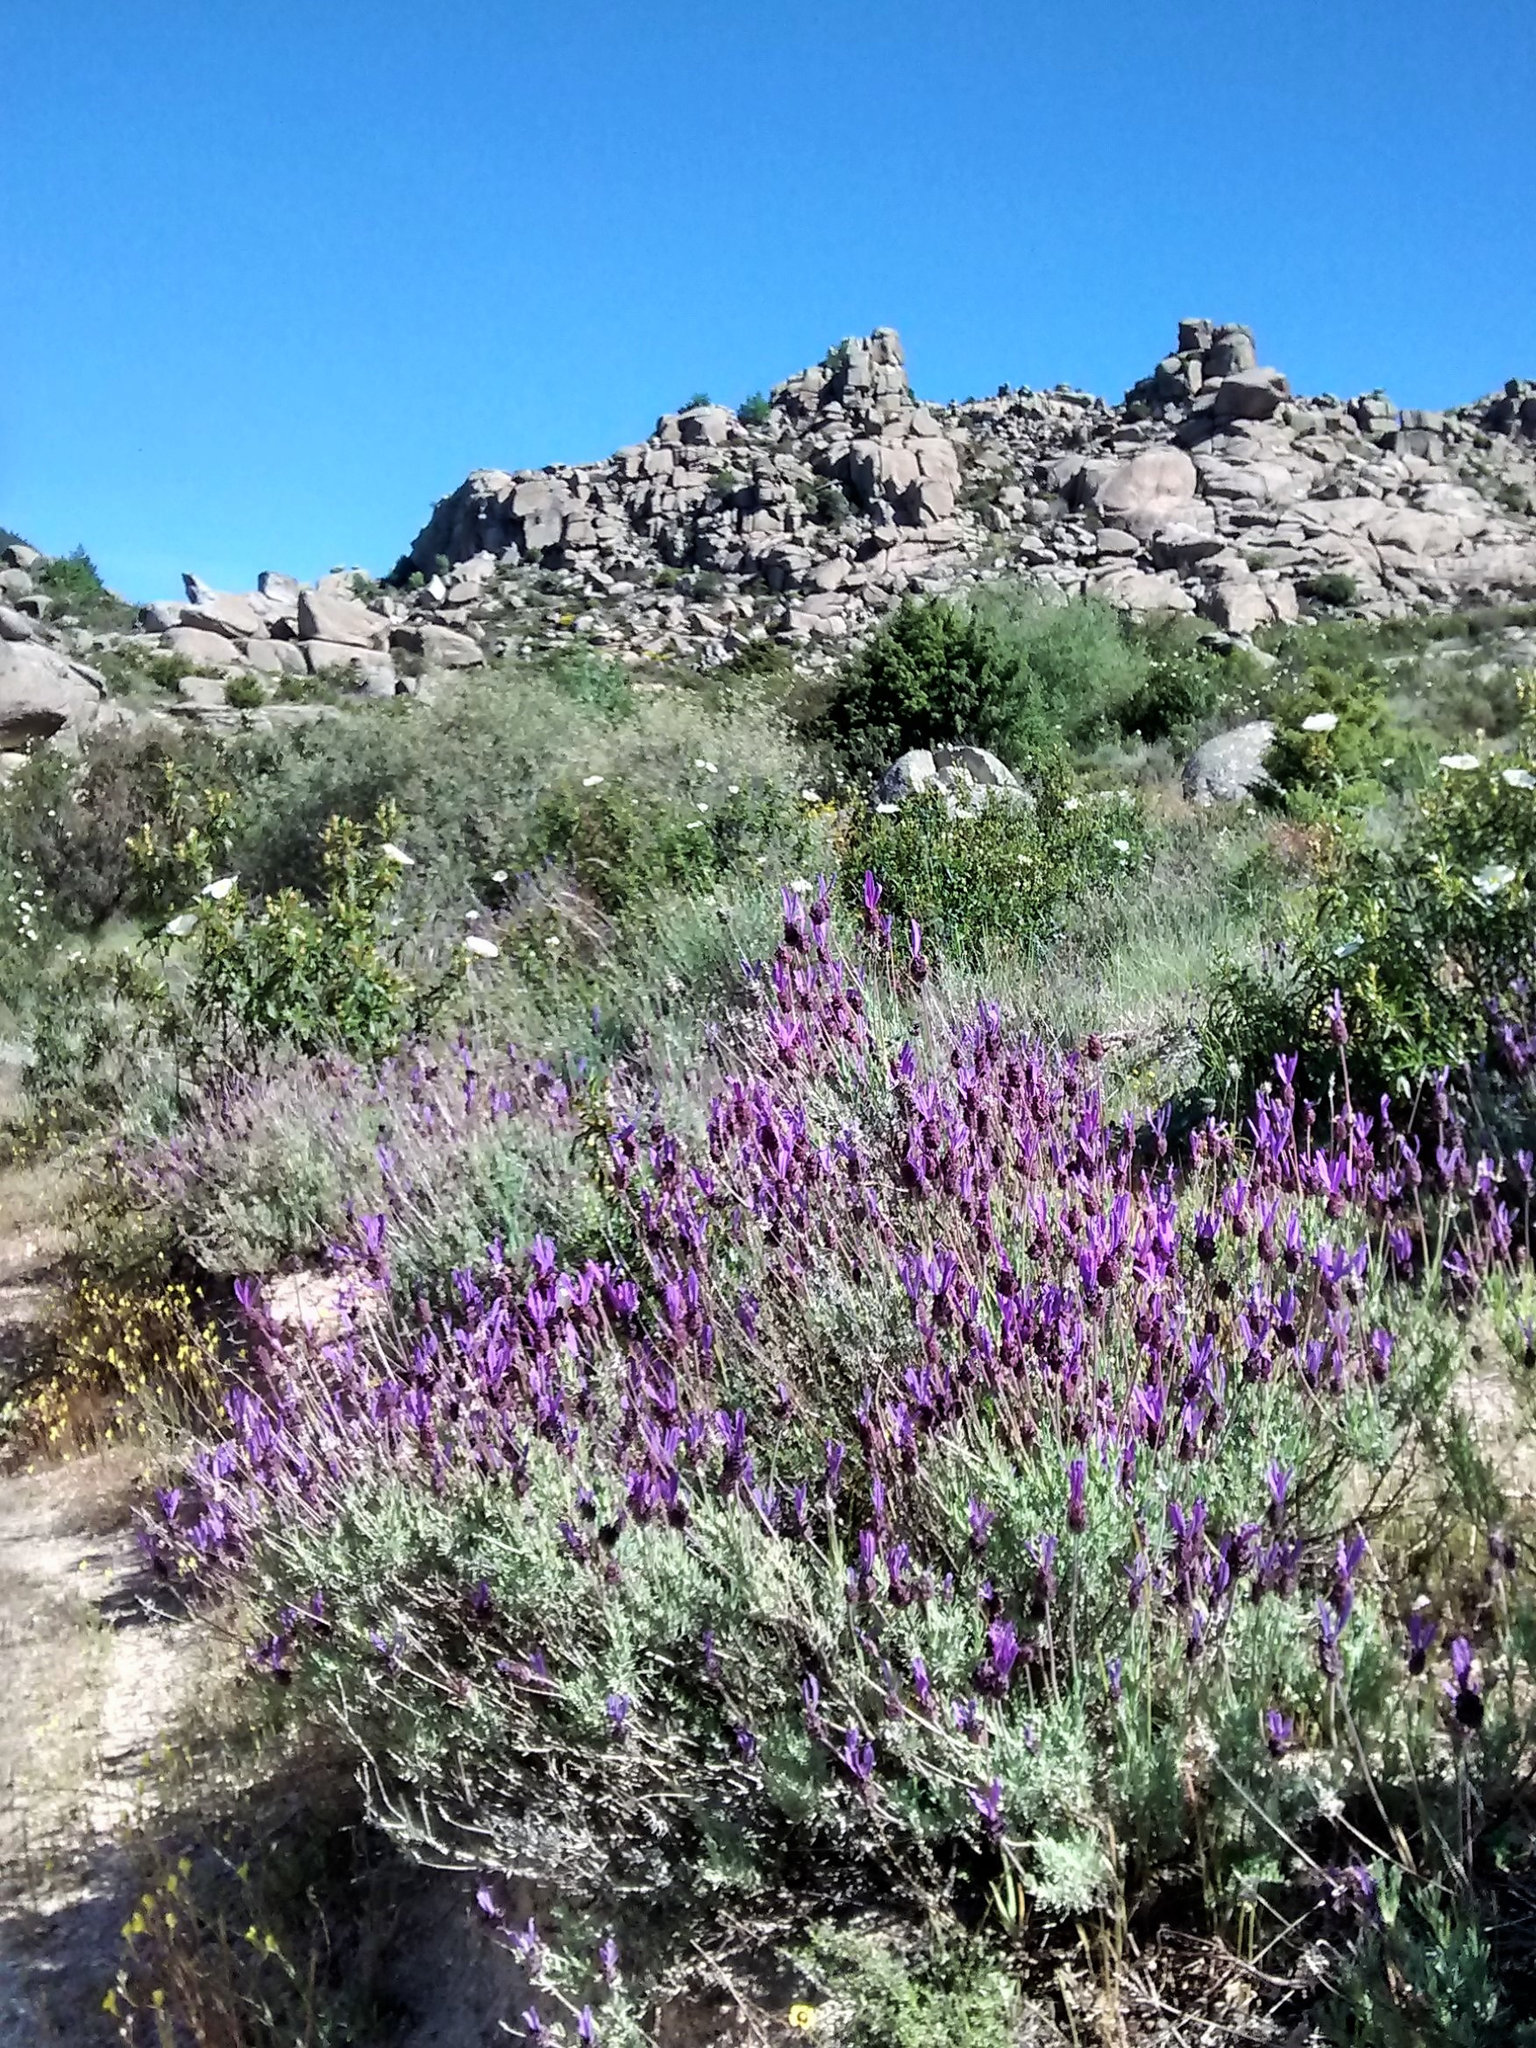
(754, 411)
(76, 588)
(1008, 672)
(1331, 587)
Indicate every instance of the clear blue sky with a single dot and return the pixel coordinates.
(276, 277)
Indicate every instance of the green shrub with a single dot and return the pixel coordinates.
(247, 977)
(824, 500)
(1007, 671)
(1337, 739)
(1424, 940)
(696, 404)
(74, 585)
(1331, 587)
(1186, 682)
(754, 411)
(1003, 878)
(244, 693)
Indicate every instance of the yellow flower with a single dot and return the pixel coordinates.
(802, 2017)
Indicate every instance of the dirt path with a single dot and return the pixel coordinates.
(94, 1671)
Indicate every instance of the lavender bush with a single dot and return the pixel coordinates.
(929, 1479)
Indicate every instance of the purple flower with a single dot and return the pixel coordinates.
(746, 1745)
(981, 1518)
(1278, 1478)
(1463, 1691)
(1330, 1626)
(617, 1708)
(1113, 1668)
(857, 1755)
(994, 1672)
(922, 1685)
(1077, 1479)
(1278, 1729)
(1421, 1636)
(608, 1959)
(586, 2025)
(988, 1802)
(1338, 1028)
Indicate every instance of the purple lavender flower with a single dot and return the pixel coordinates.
(922, 1685)
(1331, 1621)
(608, 1959)
(1113, 1668)
(981, 1518)
(857, 1755)
(1278, 1729)
(1077, 1510)
(1463, 1690)
(1278, 1478)
(617, 1708)
(586, 2026)
(1421, 1636)
(988, 1802)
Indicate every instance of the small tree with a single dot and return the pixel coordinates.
(933, 675)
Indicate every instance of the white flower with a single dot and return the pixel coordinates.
(1490, 880)
(701, 807)
(1121, 845)
(694, 825)
(483, 949)
(1320, 721)
(471, 917)
(590, 781)
(1349, 946)
(498, 874)
(733, 789)
(701, 763)
(887, 810)
(1461, 762)
(220, 889)
(801, 886)
(809, 796)
(1073, 803)
(179, 927)
(397, 854)
(1518, 778)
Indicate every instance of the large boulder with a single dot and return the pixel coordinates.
(374, 670)
(341, 621)
(1231, 766)
(15, 625)
(202, 648)
(1231, 352)
(1155, 488)
(438, 646)
(219, 611)
(1250, 395)
(42, 694)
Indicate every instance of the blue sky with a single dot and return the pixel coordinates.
(277, 277)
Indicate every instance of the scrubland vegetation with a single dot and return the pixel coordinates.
(894, 1400)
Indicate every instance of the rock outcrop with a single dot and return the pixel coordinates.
(1212, 489)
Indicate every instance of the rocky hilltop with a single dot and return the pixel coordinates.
(1211, 488)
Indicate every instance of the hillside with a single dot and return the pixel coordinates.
(766, 1246)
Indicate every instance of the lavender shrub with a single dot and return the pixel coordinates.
(932, 1474)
